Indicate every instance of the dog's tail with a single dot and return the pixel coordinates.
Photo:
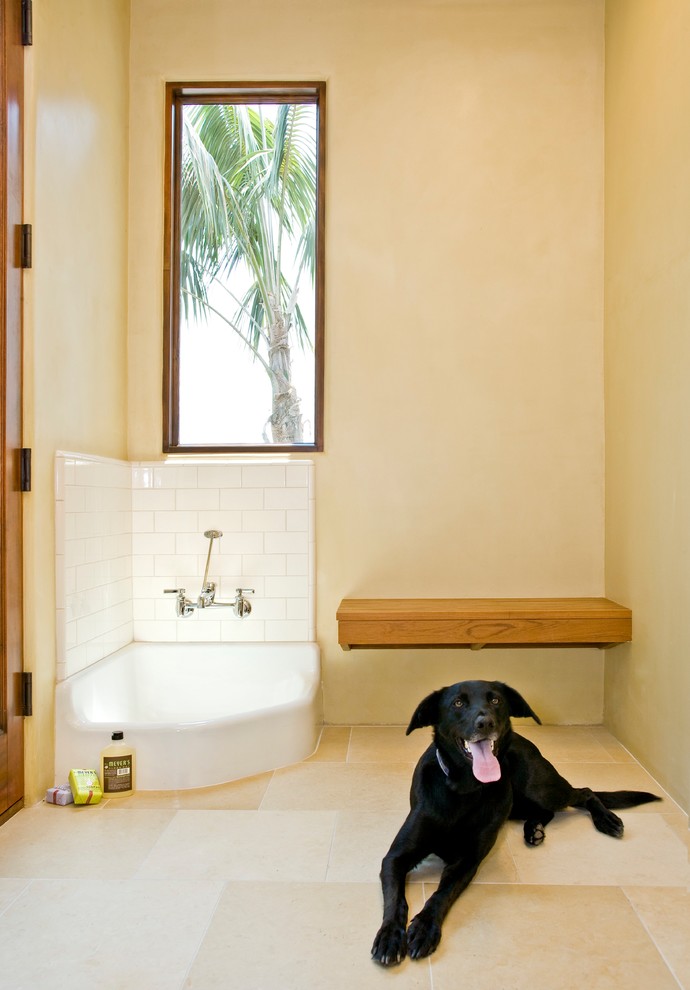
(625, 799)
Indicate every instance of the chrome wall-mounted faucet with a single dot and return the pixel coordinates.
(207, 596)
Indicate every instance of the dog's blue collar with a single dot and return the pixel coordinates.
(441, 763)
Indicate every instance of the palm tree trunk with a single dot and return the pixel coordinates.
(286, 416)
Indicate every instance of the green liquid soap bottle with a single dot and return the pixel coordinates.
(118, 768)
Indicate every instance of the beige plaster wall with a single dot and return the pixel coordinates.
(647, 363)
(75, 319)
(464, 364)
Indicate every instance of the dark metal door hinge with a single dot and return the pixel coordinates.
(25, 469)
(27, 22)
(27, 245)
(27, 694)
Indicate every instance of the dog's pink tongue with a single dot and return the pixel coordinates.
(485, 766)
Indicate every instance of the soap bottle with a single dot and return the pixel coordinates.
(118, 767)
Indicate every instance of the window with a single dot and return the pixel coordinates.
(244, 267)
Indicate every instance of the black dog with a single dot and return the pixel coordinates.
(476, 774)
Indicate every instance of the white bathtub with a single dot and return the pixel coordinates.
(197, 713)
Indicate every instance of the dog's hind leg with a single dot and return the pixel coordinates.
(604, 819)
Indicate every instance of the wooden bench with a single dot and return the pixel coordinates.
(365, 623)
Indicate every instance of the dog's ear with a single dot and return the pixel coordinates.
(517, 706)
(426, 713)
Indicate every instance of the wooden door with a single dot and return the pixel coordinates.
(11, 663)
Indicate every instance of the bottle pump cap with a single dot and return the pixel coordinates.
(118, 735)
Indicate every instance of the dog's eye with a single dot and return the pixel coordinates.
(458, 702)
(494, 701)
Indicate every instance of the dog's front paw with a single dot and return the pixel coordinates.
(423, 936)
(390, 944)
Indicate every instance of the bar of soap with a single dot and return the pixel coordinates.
(85, 786)
(59, 795)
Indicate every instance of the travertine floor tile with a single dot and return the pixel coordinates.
(239, 795)
(575, 744)
(10, 889)
(665, 913)
(541, 938)
(333, 745)
(337, 787)
(649, 853)
(72, 842)
(298, 937)
(80, 934)
(386, 744)
(243, 845)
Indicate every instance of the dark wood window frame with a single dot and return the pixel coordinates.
(177, 96)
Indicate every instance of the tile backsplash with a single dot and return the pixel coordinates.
(125, 532)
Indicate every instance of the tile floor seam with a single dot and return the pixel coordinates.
(142, 864)
(20, 893)
(202, 936)
(266, 790)
(652, 939)
(336, 819)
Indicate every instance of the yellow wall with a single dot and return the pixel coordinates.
(75, 321)
(647, 393)
(464, 388)
(464, 366)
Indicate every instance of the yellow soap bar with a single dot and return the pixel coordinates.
(85, 786)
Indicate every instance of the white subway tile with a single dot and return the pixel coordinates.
(155, 632)
(296, 476)
(170, 565)
(242, 631)
(193, 543)
(175, 476)
(243, 498)
(263, 476)
(142, 476)
(219, 476)
(286, 498)
(297, 521)
(234, 543)
(287, 587)
(142, 522)
(152, 499)
(263, 522)
(153, 543)
(225, 520)
(197, 498)
(287, 632)
(264, 564)
(297, 564)
(297, 609)
(142, 565)
(286, 542)
(176, 522)
(198, 632)
(268, 608)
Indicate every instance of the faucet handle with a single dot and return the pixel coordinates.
(174, 591)
(244, 591)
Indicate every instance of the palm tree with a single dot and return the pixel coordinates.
(248, 204)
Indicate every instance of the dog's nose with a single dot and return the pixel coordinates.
(484, 722)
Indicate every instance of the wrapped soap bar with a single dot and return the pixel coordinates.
(59, 795)
(85, 786)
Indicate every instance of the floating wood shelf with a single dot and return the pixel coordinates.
(477, 622)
